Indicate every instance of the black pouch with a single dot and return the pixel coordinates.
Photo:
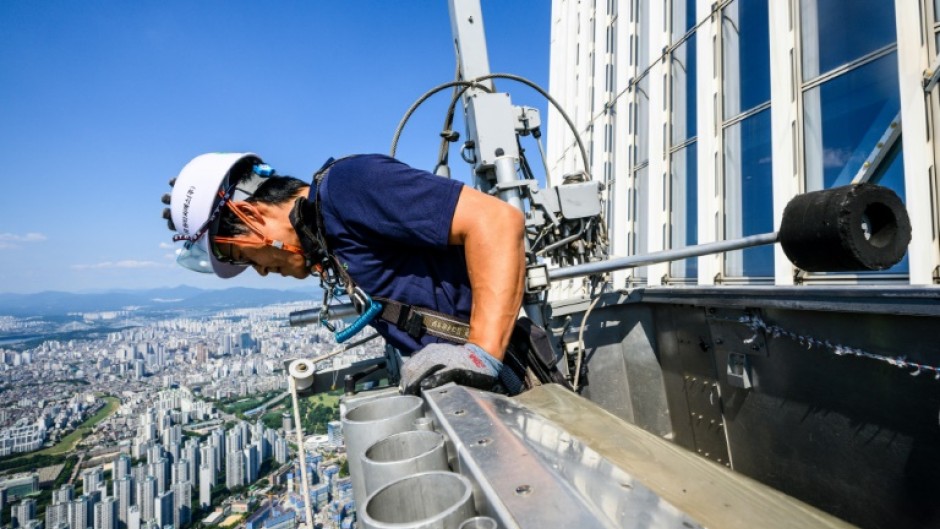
(531, 357)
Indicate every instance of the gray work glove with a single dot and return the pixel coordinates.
(439, 363)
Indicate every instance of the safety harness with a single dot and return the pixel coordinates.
(334, 279)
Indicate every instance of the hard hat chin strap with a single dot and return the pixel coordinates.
(280, 245)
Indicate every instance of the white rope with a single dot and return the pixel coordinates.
(757, 324)
(301, 454)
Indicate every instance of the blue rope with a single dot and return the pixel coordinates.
(375, 308)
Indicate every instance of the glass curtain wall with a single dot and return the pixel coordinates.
(638, 195)
(639, 192)
(851, 101)
(682, 186)
(746, 142)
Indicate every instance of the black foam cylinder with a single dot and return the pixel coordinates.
(851, 228)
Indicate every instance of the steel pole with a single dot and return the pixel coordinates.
(634, 261)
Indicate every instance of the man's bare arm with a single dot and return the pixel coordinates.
(491, 232)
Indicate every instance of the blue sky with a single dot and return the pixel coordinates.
(102, 102)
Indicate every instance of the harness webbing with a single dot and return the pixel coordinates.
(418, 320)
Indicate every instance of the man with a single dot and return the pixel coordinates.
(430, 249)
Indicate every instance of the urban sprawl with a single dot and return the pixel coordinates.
(169, 423)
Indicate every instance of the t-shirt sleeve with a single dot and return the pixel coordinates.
(383, 200)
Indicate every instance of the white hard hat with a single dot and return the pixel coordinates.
(195, 198)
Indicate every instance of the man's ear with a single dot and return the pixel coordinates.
(254, 211)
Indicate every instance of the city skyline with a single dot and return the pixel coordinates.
(181, 405)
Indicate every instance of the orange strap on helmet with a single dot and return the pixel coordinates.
(264, 240)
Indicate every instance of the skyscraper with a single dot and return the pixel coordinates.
(57, 515)
(206, 477)
(146, 494)
(234, 469)
(160, 472)
(252, 464)
(334, 432)
(207, 459)
(64, 494)
(191, 452)
(78, 512)
(166, 509)
(133, 517)
(23, 512)
(92, 479)
(106, 514)
(182, 493)
(180, 471)
(124, 493)
(122, 466)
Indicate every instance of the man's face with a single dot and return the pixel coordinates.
(266, 259)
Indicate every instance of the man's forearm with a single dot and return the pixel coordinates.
(496, 265)
(491, 233)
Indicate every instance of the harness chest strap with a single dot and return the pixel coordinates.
(418, 320)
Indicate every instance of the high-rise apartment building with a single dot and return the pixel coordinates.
(206, 477)
(124, 494)
(106, 514)
(235, 469)
(165, 507)
(182, 494)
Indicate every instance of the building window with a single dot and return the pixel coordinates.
(682, 186)
(749, 194)
(684, 107)
(639, 197)
(746, 56)
(851, 98)
(845, 118)
(747, 160)
(683, 218)
(836, 32)
(683, 18)
(642, 20)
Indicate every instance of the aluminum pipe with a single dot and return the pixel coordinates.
(633, 261)
(479, 522)
(424, 424)
(401, 455)
(370, 422)
(430, 500)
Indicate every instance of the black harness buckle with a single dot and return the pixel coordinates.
(410, 321)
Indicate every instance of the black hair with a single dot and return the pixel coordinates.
(274, 190)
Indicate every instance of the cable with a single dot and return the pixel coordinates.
(537, 88)
(475, 83)
(577, 364)
(414, 106)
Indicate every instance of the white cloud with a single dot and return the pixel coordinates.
(835, 157)
(118, 264)
(29, 237)
(166, 245)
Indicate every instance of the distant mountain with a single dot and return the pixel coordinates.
(181, 297)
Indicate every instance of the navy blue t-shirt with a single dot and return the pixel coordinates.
(388, 223)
